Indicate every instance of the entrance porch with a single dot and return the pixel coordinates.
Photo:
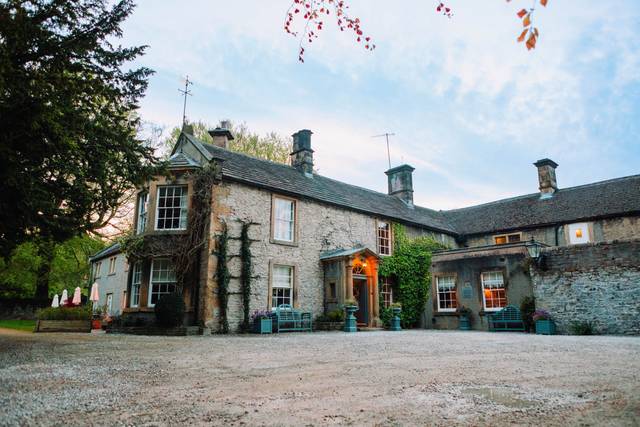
(352, 274)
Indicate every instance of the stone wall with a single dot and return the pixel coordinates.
(594, 282)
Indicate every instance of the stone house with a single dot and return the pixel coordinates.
(317, 241)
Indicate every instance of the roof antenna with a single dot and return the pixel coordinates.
(185, 92)
(386, 135)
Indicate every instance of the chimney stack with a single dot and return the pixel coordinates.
(547, 177)
(401, 183)
(302, 155)
(222, 135)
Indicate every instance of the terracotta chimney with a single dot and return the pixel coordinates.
(222, 135)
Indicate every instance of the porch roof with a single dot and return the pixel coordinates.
(340, 253)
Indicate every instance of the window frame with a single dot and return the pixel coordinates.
(186, 208)
(389, 237)
(142, 216)
(507, 236)
(386, 281)
(98, 268)
(112, 265)
(504, 287)
(137, 269)
(272, 286)
(585, 229)
(440, 309)
(109, 303)
(151, 282)
(274, 219)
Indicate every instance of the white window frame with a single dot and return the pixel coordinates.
(384, 250)
(109, 303)
(182, 220)
(280, 219)
(151, 282)
(507, 236)
(143, 212)
(275, 287)
(112, 265)
(484, 299)
(98, 268)
(386, 289)
(136, 284)
(450, 291)
(583, 227)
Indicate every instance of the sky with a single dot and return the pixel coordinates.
(470, 107)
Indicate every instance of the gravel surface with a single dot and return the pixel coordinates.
(368, 378)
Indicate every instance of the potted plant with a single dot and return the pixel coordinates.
(98, 314)
(261, 321)
(544, 322)
(465, 315)
(64, 319)
(396, 308)
(350, 306)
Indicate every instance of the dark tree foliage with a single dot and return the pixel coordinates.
(68, 145)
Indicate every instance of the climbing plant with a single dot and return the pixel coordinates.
(223, 276)
(409, 266)
(245, 274)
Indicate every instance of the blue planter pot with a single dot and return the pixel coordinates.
(395, 320)
(350, 319)
(465, 323)
(545, 327)
(262, 326)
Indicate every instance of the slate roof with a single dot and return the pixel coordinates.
(339, 253)
(109, 250)
(614, 197)
(610, 198)
(289, 181)
(181, 161)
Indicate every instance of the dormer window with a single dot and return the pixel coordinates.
(171, 210)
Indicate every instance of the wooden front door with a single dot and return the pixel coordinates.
(361, 294)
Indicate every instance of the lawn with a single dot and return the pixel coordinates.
(20, 325)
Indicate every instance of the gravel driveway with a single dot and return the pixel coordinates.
(368, 378)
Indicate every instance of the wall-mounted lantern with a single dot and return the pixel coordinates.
(535, 251)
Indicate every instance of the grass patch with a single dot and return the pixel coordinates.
(20, 325)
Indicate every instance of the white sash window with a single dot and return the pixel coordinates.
(284, 219)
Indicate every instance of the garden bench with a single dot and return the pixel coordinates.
(289, 319)
(507, 319)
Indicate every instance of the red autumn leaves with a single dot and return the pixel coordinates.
(530, 33)
(314, 12)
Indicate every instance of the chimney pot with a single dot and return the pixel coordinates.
(222, 135)
(547, 177)
(302, 155)
(400, 181)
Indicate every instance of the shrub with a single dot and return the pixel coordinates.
(65, 313)
(260, 314)
(527, 307)
(582, 328)
(465, 311)
(335, 316)
(170, 310)
(386, 314)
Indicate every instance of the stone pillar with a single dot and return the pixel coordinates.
(376, 294)
(348, 266)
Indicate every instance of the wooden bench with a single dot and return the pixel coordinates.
(507, 319)
(289, 319)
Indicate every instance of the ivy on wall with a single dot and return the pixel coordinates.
(409, 266)
(223, 277)
(245, 274)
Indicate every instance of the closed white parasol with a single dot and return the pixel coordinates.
(56, 301)
(64, 297)
(76, 296)
(95, 294)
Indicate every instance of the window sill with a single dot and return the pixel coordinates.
(446, 314)
(111, 274)
(283, 242)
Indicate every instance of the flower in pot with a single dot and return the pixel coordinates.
(544, 322)
(465, 315)
(261, 321)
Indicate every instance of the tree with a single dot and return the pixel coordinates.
(272, 146)
(69, 149)
(69, 267)
(313, 13)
